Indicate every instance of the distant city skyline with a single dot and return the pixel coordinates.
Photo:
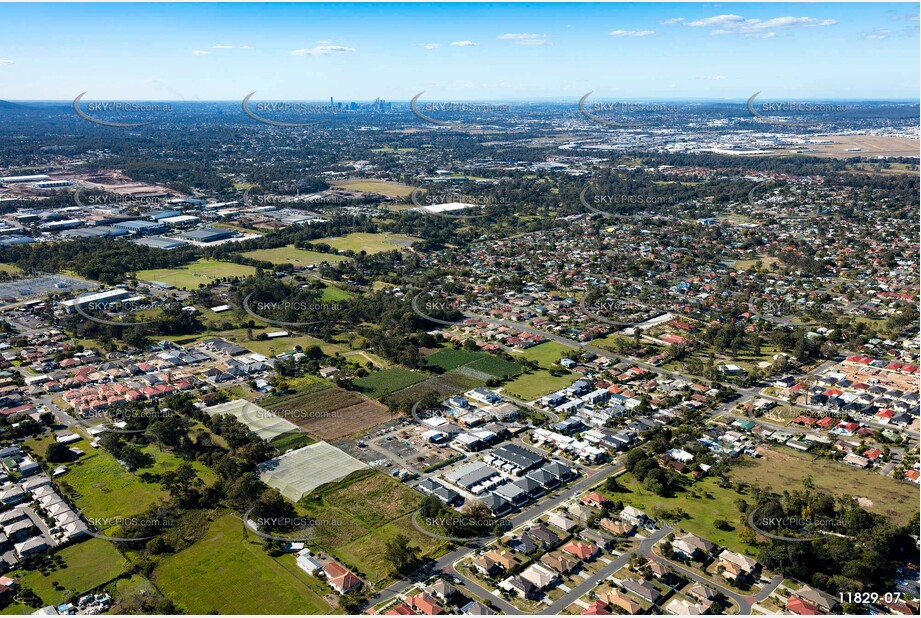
(462, 52)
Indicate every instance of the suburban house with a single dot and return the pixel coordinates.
(520, 586)
(621, 600)
(692, 546)
(736, 565)
(540, 576)
(618, 528)
(340, 578)
(581, 550)
(560, 562)
(425, 603)
(641, 588)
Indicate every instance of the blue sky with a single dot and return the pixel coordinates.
(459, 51)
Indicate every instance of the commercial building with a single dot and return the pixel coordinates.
(141, 228)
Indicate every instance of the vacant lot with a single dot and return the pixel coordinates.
(200, 272)
(104, 489)
(546, 354)
(369, 508)
(229, 572)
(370, 185)
(330, 413)
(530, 386)
(299, 258)
(88, 565)
(784, 469)
(370, 243)
(386, 381)
(704, 503)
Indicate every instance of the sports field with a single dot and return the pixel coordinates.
(370, 243)
(199, 272)
(370, 185)
(299, 258)
(229, 572)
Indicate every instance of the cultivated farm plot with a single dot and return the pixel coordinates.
(229, 572)
(778, 470)
(381, 383)
(445, 385)
(481, 362)
(356, 415)
(299, 258)
(199, 272)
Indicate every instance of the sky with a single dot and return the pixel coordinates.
(459, 52)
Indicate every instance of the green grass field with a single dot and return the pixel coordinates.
(386, 381)
(370, 508)
(229, 572)
(200, 272)
(104, 489)
(89, 565)
(530, 386)
(450, 358)
(370, 243)
(371, 185)
(708, 502)
(299, 258)
(546, 354)
(497, 367)
(783, 469)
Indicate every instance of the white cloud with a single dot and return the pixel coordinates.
(322, 50)
(718, 77)
(225, 46)
(200, 52)
(4, 63)
(878, 35)
(464, 44)
(672, 21)
(760, 28)
(431, 46)
(632, 32)
(526, 38)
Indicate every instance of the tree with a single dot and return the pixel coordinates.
(182, 484)
(401, 555)
(133, 457)
(58, 453)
